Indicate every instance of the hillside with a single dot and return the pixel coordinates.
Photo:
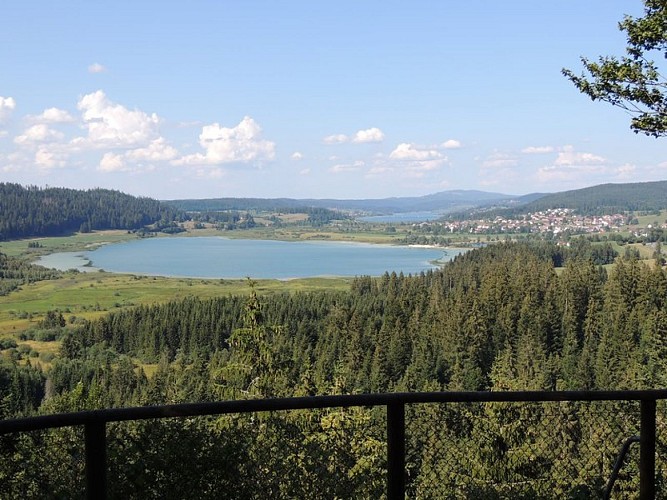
(605, 198)
(442, 201)
(32, 211)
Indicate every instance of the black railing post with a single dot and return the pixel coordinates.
(396, 451)
(96, 460)
(647, 450)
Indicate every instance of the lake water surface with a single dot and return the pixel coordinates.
(215, 257)
(403, 217)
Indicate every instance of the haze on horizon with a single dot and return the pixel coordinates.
(304, 99)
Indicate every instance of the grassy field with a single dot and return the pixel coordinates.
(73, 243)
(88, 295)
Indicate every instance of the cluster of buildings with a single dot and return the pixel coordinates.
(556, 220)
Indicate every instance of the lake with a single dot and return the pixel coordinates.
(403, 217)
(216, 257)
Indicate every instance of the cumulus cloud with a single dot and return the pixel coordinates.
(48, 156)
(157, 150)
(297, 156)
(240, 144)
(53, 115)
(7, 106)
(416, 161)
(112, 125)
(406, 151)
(96, 68)
(369, 135)
(569, 157)
(335, 139)
(536, 150)
(38, 133)
(139, 159)
(112, 162)
(452, 144)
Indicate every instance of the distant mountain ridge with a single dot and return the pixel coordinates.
(600, 199)
(443, 201)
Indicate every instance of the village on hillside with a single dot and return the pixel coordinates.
(555, 221)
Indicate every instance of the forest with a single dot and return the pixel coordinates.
(604, 199)
(33, 211)
(495, 318)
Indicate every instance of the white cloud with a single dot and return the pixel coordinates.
(500, 160)
(38, 133)
(369, 135)
(347, 167)
(297, 156)
(452, 144)
(305, 171)
(96, 68)
(7, 106)
(416, 161)
(405, 151)
(112, 162)
(47, 157)
(379, 170)
(209, 173)
(139, 159)
(626, 171)
(113, 125)
(569, 173)
(240, 144)
(335, 139)
(157, 150)
(536, 150)
(569, 157)
(53, 115)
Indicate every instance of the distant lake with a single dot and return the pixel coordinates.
(214, 257)
(407, 217)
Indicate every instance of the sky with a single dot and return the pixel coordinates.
(312, 99)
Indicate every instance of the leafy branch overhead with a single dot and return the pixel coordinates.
(633, 82)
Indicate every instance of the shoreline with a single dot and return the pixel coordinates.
(85, 261)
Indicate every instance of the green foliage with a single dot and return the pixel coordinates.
(497, 318)
(15, 272)
(605, 199)
(633, 82)
(32, 211)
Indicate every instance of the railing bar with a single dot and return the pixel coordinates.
(647, 451)
(316, 402)
(396, 451)
(96, 460)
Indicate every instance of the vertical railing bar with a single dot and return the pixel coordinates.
(396, 451)
(96, 460)
(647, 450)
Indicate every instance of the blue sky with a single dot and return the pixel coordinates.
(344, 99)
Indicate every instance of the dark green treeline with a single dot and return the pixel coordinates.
(32, 211)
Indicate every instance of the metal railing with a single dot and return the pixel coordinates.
(94, 423)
